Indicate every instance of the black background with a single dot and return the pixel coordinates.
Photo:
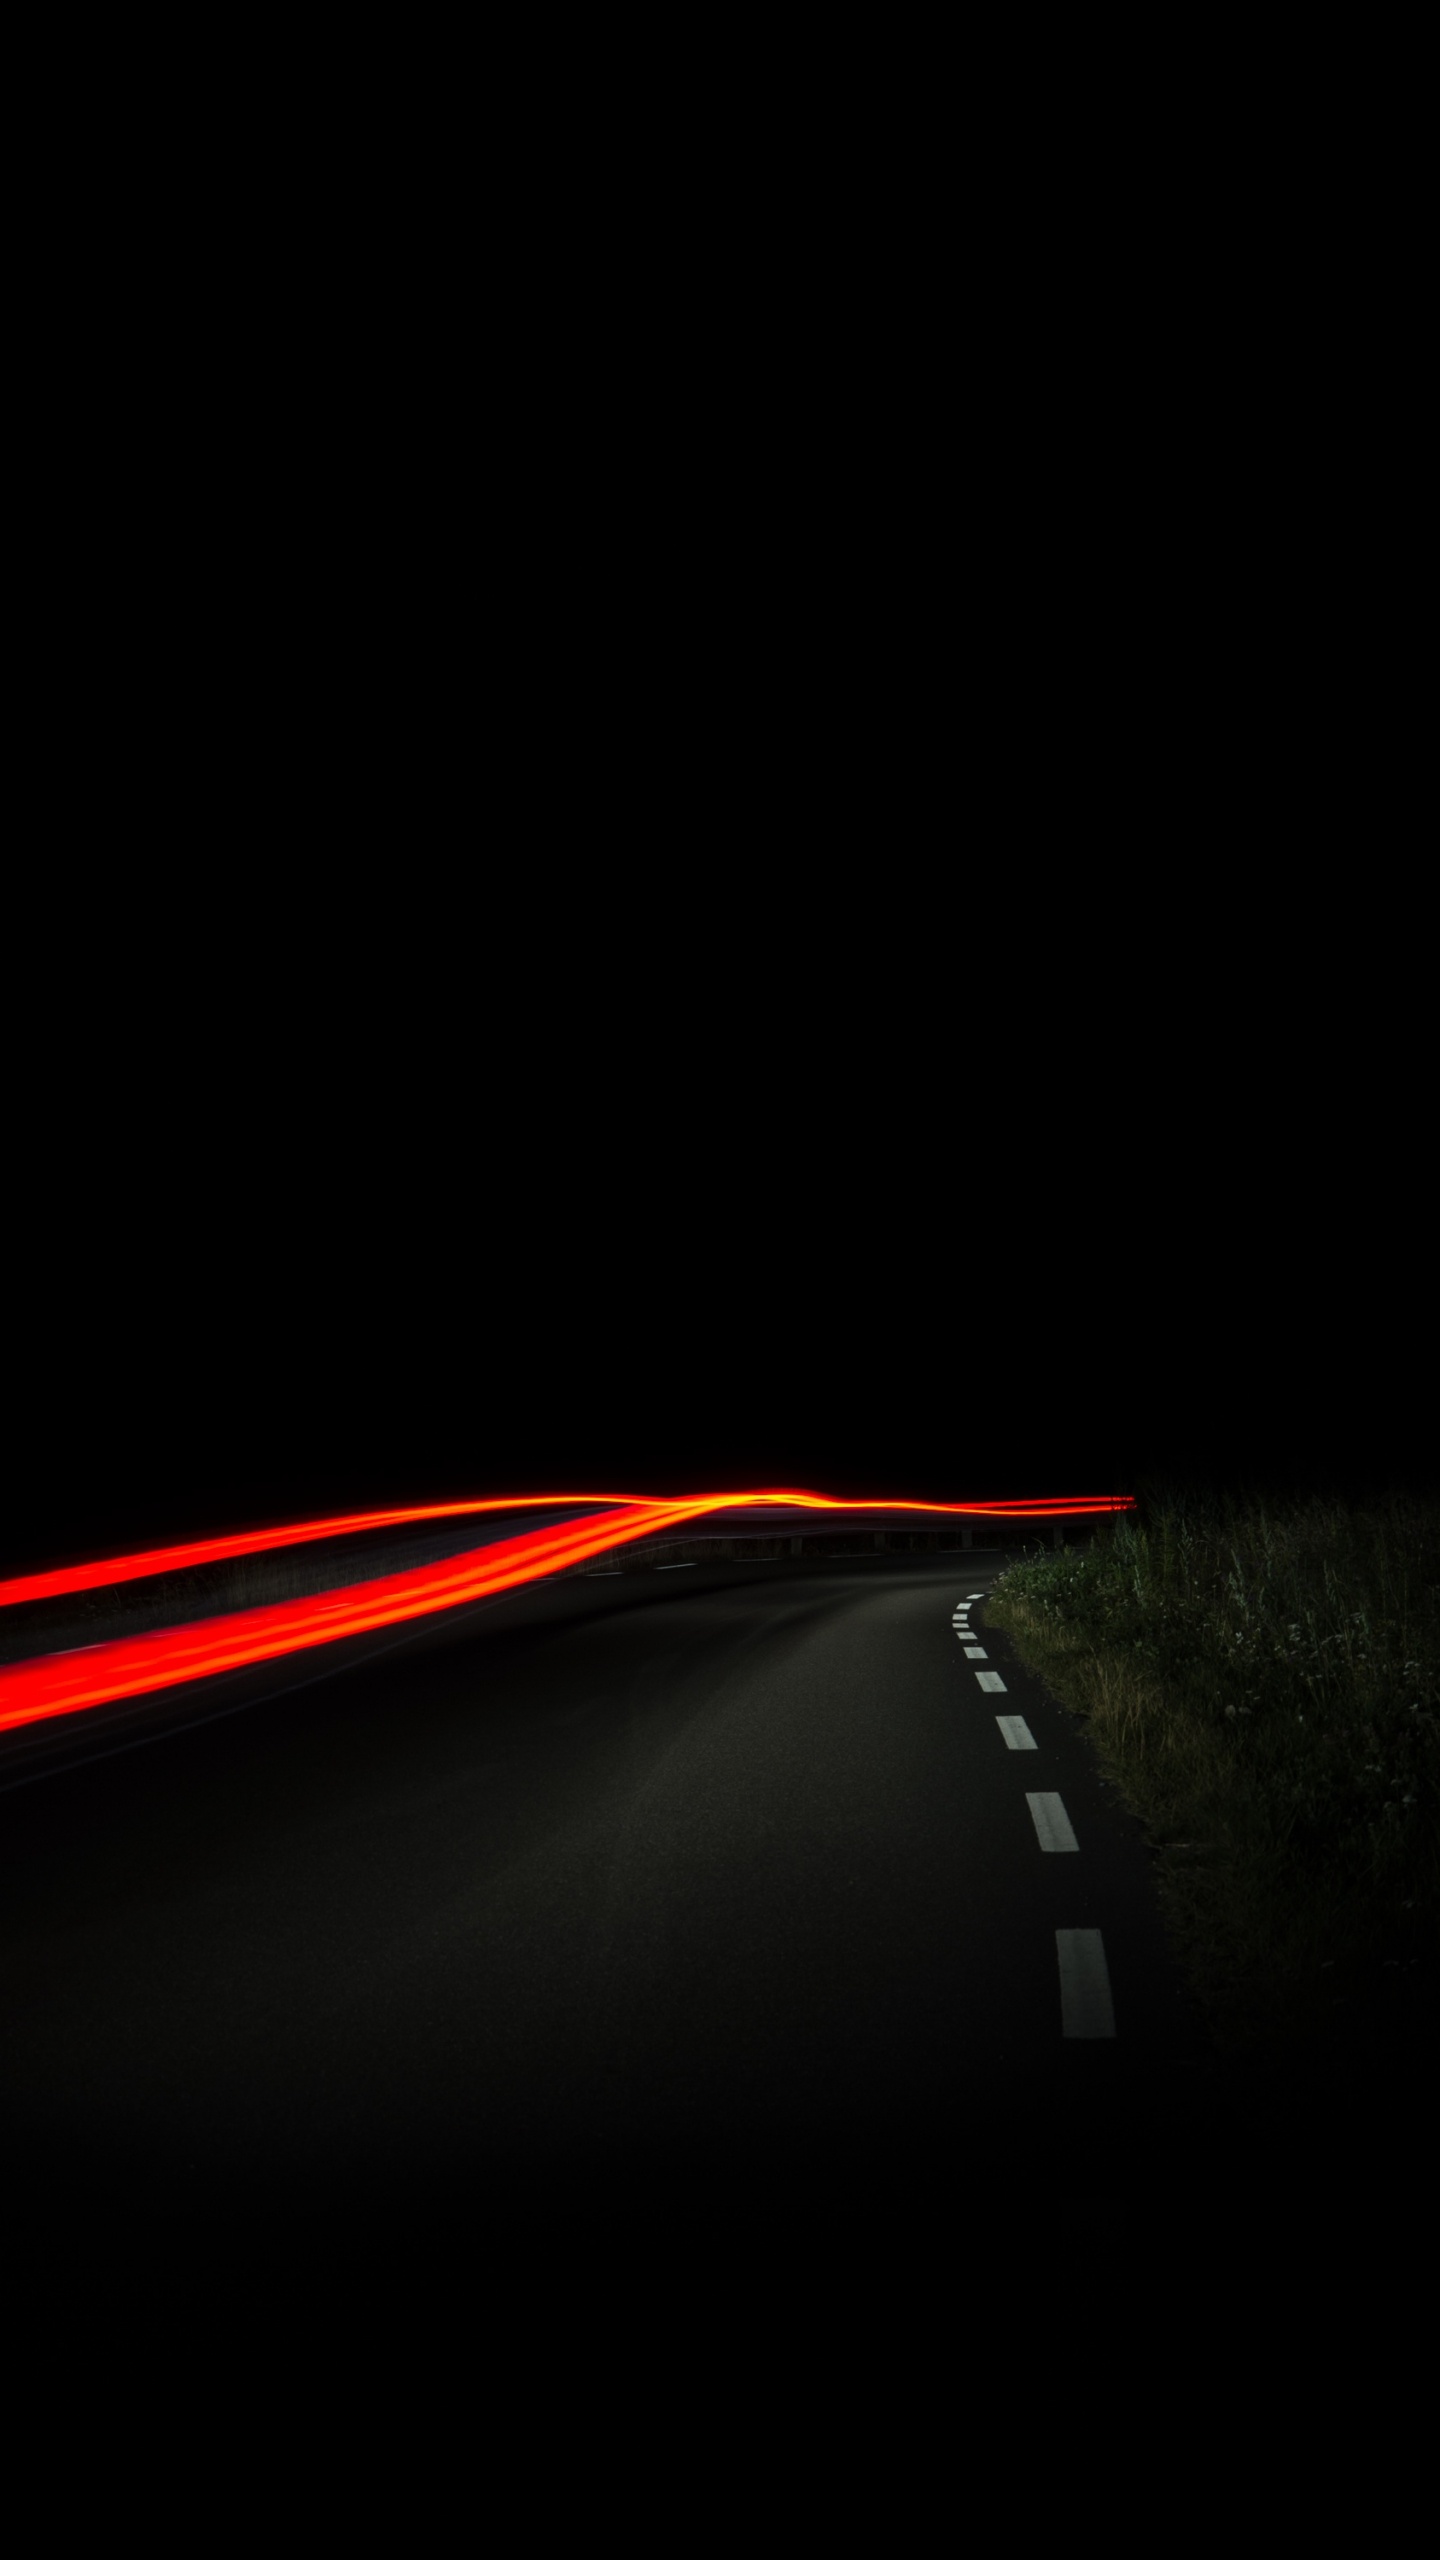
(889, 1157)
(687, 902)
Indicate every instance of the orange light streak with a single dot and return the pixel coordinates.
(254, 1542)
(109, 1570)
(59, 1684)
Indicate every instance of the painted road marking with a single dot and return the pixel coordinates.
(974, 1595)
(992, 1683)
(1018, 1736)
(976, 1653)
(687, 1567)
(1086, 2007)
(1052, 1822)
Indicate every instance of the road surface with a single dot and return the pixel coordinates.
(715, 1898)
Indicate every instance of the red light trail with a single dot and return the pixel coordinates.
(60, 1684)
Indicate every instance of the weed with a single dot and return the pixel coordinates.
(1262, 1682)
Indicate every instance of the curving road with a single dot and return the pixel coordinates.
(724, 1892)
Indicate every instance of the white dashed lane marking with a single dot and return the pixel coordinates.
(1086, 2007)
(1018, 1736)
(1052, 1823)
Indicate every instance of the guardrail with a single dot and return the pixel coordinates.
(726, 1547)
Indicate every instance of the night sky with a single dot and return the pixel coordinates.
(456, 1068)
(680, 1238)
(561, 939)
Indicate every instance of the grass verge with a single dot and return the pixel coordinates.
(1261, 1681)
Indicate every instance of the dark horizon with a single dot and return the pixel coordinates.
(898, 1299)
(117, 1476)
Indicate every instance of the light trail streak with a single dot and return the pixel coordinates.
(110, 1570)
(60, 1684)
(255, 1542)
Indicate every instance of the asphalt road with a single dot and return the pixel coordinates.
(701, 1897)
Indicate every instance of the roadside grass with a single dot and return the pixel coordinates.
(1261, 1682)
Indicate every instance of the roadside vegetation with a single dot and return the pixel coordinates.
(1261, 1682)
